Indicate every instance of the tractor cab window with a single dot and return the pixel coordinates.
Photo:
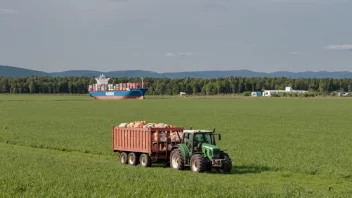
(188, 140)
(186, 137)
(202, 137)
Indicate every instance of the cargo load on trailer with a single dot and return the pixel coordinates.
(143, 124)
(144, 143)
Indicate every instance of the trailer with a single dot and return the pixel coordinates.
(145, 145)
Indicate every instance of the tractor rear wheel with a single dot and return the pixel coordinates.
(123, 158)
(176, 159)
(199, 163)
(227, 166)
(145, 160)
(132, 159)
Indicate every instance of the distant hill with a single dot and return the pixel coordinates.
(116, 74)
(75, 73)
(10, 71)
(134, 73)
(215, 74)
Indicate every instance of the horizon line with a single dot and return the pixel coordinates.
(214, 70)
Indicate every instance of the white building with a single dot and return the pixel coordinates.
(257, 93)
(344, 94)
(287, 90)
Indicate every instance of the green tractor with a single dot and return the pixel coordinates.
(199, 151)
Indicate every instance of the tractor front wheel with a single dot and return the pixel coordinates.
(209, 165)
(199, 163)
(176, 159)
(227, 166)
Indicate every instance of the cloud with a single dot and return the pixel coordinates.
(8, 12)
(169, 54)
(344, 47)
(179, 54)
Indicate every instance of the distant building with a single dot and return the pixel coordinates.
(182, 93)
(344, 94)
(256, 93)
(287, 90)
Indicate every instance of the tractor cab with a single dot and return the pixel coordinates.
(200, 141)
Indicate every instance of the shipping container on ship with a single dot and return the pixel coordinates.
(102, 90)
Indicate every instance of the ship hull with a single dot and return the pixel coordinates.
(119, 95)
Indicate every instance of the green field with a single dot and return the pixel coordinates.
(60, 146)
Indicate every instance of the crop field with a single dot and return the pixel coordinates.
(60, 146)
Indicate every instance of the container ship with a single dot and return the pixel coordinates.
(102, 90)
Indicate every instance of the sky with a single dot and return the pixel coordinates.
(177, 35)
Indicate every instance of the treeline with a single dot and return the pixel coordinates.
(165, 86)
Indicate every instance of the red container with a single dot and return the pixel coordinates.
(155, 142)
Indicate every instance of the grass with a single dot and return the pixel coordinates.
(56, 145)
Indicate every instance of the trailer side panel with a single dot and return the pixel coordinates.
(132, 139)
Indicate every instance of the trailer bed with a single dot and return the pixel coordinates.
(157, 142)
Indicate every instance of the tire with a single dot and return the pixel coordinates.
(227, 166)
(176, 160)
(123, 157)
(145, 160)
(199, 163)
(209, 165)
(167, 163)
(132, 159)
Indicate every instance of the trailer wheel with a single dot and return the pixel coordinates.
(132, 159)
(176, 159)
(145, 160)
(123, 158)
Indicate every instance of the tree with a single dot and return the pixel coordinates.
(32, 87)
(14, 88)
(160, 86)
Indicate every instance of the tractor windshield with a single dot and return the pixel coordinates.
(203, 137)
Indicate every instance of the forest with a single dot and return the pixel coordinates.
(166, 86)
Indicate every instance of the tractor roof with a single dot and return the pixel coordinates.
(197, 131)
